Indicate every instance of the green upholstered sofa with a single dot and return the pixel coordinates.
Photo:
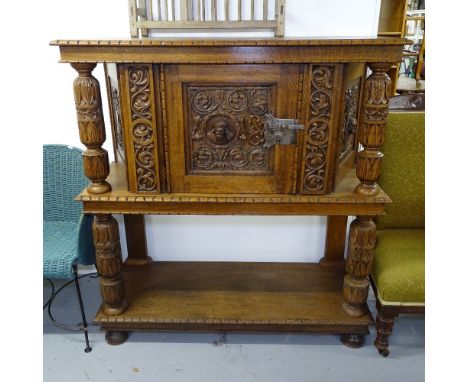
(398, 269)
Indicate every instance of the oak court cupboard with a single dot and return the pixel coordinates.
(251, 127)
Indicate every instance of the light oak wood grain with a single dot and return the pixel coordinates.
(234, 297)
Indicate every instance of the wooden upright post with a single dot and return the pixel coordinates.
(136, 240)
(335, 242)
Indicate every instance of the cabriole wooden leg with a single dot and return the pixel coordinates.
(109, 263)
(377, 94)
(384, 326)
(361, 244)
(90, 118)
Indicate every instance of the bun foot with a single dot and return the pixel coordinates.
(352, 340)
(116, 337)
(383, 352)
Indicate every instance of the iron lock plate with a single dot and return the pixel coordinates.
(280, 131)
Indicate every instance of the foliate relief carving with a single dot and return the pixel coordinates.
(349, 130)
(142, 127)
(362, 239)
(140, 92)
(318, 128)
(144, 156)
(225, 129)
(109, 263)
(89, 111)
(377, 94)
(378, 86)
(91, 127)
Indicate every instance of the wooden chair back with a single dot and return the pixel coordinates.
(205, 14)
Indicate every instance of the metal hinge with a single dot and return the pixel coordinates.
(280, 131)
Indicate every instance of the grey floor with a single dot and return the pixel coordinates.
(222, 357)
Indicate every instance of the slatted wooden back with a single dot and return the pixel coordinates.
(205, 14)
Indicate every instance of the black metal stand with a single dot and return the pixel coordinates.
(52, 286)
(84, 327)
(80, 300)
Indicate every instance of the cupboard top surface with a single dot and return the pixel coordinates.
(231, 51)
(234, 42)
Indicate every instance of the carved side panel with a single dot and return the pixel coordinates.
(113, 94)
(141, 103)
(350, 123)
(320, 127)
(225, 129)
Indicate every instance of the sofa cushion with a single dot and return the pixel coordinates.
(398, 268)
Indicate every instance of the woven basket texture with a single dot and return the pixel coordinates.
(67, 236)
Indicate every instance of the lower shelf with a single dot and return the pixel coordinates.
(219, 296)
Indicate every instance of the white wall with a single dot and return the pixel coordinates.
(307, 18)
(235, 238)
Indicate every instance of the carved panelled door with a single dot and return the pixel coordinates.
(216, 117)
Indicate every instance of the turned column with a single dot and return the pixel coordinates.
(109, 263)
(376, 98)
(361, 244)
(91, 126)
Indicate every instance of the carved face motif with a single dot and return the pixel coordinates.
(220, 132)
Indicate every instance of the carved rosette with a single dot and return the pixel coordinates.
(361, 244)
(142, 131)
(318, 130)
(377, 94)
(226, 126)
(109, 264)
(90, 119)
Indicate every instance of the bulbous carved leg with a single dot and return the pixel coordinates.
(361, 243)
(91, 127)
(109, 264)
(377, 94)
(384, 326)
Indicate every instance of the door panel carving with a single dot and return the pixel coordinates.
(224, 128)
(216, 117)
